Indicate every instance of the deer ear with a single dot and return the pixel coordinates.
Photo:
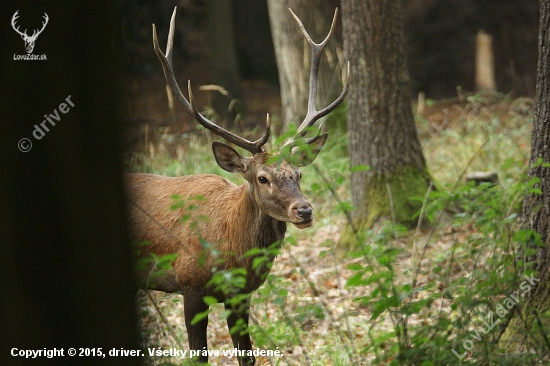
(229, 159)
(305, 154)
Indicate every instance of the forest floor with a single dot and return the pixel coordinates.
(474, 132)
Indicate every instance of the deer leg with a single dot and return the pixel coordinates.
(240, 335)
(192, 305)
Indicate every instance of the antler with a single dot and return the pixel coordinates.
(44, 23)
(13, 19)
(24, 34)
(316, 50)
(166, 61)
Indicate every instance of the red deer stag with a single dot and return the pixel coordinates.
(240, 218)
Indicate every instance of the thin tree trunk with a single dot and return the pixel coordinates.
(381, 128)
(254, 41)
(536, 207)
(223, 58)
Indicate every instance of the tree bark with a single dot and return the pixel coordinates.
(223, 58)
(293, 58)
(254, 41)
(382, 132)
(528, 330)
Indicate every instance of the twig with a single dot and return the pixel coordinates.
(295, 331)
(541, 329)
(270, 339)
(337, 198)
(326, 308)
(443, 209)
(164, 320)
(419, 224)
(392, 211)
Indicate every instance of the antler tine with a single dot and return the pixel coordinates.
(166, 61)
(44, 23)
(316, 50)
(13, 19)
(36, 32)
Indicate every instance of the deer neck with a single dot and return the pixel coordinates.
(265, 230)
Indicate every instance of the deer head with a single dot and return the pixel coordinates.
(29, 40)
(273, 179)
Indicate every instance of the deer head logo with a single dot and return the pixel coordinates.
(29, 40)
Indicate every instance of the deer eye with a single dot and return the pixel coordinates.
(263, 180)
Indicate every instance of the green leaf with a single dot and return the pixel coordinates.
(531, 182)
(537, 163)
(355, 280)
(210, 300)
(359, 168)
(508, 163)
(344, 207)
(257, 261)
(381, 306)
(355, 267)
(200, 316)
(252, 252)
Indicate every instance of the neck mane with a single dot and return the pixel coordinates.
(265, 229)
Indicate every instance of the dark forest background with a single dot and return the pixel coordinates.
(440, 41)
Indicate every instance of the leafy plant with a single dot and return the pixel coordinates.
(404, 297)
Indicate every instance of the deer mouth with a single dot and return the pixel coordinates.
(303, 224)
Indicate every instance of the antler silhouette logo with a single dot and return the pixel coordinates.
(29, 40)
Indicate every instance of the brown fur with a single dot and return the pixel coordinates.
(233, 227)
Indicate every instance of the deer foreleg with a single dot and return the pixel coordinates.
(194, 304)
(239, 332)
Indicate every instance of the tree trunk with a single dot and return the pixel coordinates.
(223, 59)
(525, 334)
(381, 128)
(254, 41)
(293, 58)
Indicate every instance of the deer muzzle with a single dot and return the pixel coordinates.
(301, 214)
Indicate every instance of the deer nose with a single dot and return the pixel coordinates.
(303, 211)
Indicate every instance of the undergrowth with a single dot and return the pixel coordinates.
(441, 296)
